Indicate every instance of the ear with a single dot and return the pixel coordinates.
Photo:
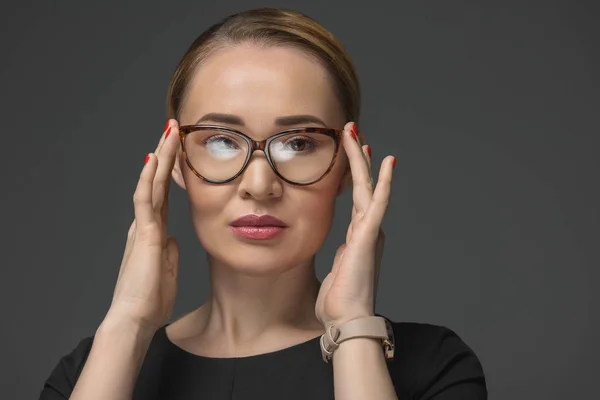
(177, 172)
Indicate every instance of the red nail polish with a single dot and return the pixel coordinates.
(353, 135)
(355, 131)
(168, 133)
(167, 124)
(369, 150)
(147, 158)
(394, 162)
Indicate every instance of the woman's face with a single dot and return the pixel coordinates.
(259, 86)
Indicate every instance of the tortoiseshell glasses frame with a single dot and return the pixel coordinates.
(263, 145)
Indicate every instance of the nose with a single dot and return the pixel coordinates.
(259, 181)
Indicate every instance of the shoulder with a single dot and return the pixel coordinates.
(418, 338)
(432, 360)
(63, 377)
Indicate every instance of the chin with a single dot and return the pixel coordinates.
(258, 260)
(260, 257)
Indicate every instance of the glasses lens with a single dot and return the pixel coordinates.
(216, 155)
(302, 157)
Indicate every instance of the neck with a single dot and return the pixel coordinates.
(244, 309)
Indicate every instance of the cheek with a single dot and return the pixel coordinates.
(314, 215)
(207, 202)
(318, 204)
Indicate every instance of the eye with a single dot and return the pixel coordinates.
(287, 148)
(299, 144)
(222, 147)
(220, 141)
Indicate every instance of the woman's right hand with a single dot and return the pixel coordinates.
(147, 284)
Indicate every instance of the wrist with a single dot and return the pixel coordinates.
(111, 328)
(366, 331)
(360, 348)
(340, 321)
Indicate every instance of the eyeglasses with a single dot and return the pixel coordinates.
(300, 156)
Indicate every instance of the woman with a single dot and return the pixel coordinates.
(262, 135)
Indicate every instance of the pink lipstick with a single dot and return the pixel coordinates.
(258, 227)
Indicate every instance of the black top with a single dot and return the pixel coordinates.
(430, 362)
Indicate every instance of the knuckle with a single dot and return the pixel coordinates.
(149, 229)
(383, 201)
(137, 197)
(159, 186)
(132, 228)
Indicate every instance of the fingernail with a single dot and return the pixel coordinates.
(354, 131)
(394, 162)
(168, 133)
(353, 136)
(147, 158)
(167, 124)
(369, 150)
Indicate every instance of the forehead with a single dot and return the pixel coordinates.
(260, 84)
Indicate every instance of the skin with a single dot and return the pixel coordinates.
(258, 291)
(264, 296)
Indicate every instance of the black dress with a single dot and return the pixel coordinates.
(430, 362)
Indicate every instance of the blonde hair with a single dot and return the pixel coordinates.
(271, 27)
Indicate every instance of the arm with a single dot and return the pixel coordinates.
(113, 364)
(146, 287)
(360, 371)
(349, 290)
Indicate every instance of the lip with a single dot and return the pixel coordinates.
(252, 220)
(257, 227)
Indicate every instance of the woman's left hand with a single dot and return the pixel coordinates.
(350, 289)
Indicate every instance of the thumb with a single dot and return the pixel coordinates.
(337, 260)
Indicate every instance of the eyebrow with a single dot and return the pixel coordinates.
(287, 120)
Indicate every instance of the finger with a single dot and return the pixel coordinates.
(166, 160)
(367, 153)
(378, 257)
(381, 195)
(157, 198)
(142, 198)
(166, 132)
(128, 247)
(339, 254)
(362, 189)
(349, 231)
(366, 149)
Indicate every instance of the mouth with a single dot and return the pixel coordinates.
(257, 227)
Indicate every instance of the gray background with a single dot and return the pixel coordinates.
(490, 109)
